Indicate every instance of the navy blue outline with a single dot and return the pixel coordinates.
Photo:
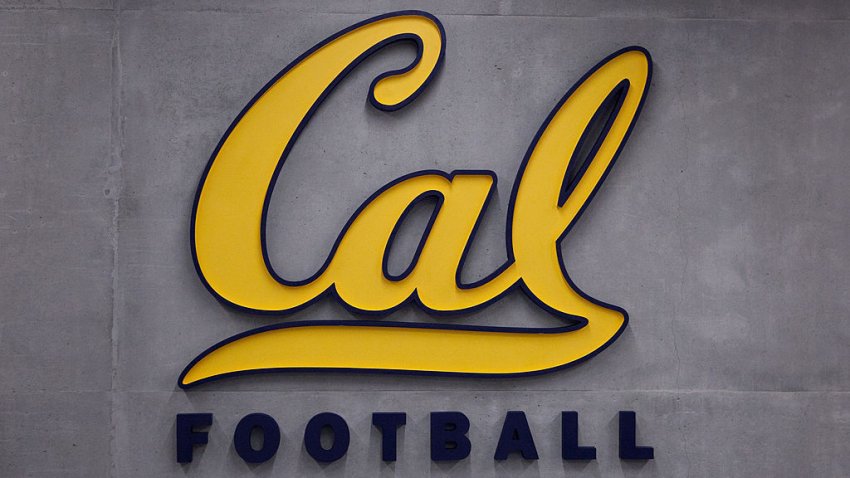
(576, 322)
(440, 199)
(615, 99)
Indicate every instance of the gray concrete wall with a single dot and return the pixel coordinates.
(723, 230)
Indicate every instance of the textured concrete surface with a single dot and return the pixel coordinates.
(56, 242)
(693, 433)
(723, 230)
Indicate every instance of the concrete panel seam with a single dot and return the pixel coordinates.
(366, 14)
(115, 185)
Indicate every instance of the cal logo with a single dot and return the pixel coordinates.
(228, 223)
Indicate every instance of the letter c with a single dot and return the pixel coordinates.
(228, 214)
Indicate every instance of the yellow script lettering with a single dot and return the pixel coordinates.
(228, 220)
